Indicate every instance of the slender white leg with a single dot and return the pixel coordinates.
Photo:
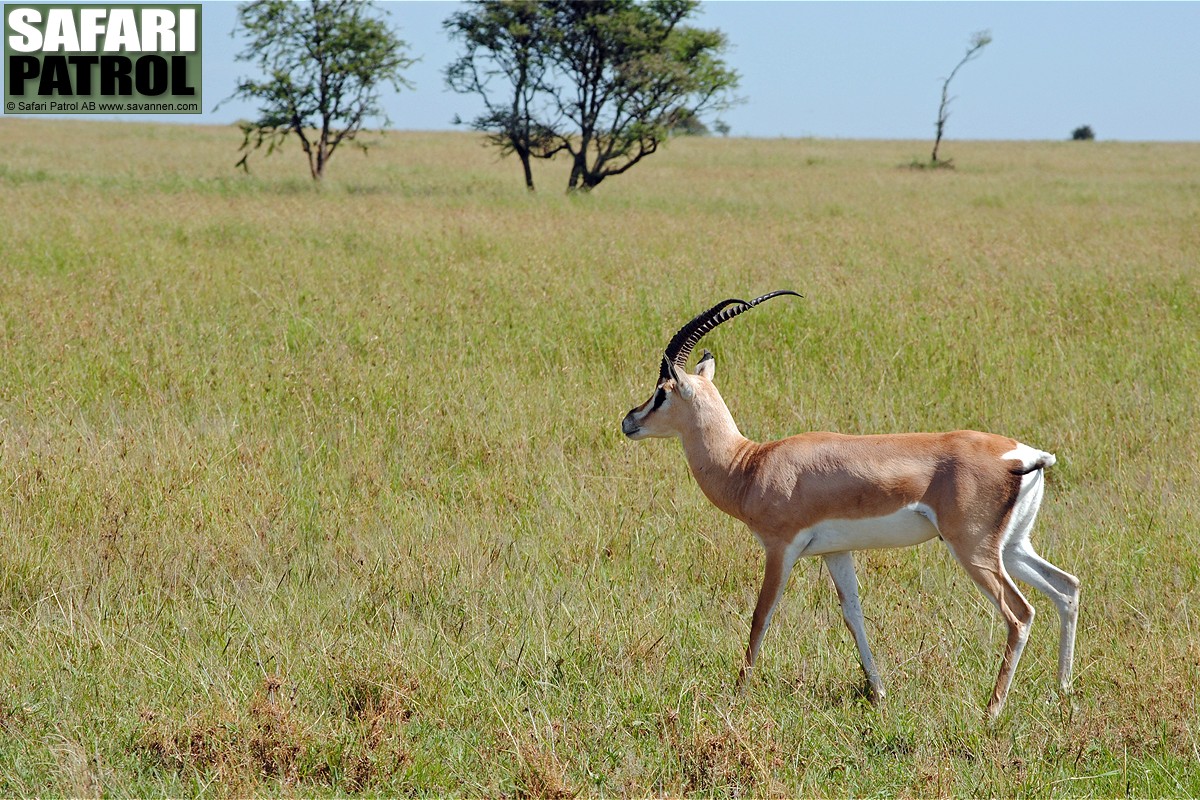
(1063, 590)
(1024, 564)
(841, 569)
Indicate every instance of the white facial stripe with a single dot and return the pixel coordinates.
(650, 406)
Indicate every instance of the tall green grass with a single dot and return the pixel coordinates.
(321, 490)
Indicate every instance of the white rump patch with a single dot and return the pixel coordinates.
(1028, 456)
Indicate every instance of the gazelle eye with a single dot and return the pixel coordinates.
(660, 396)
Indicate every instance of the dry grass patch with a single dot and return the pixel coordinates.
(259, 742)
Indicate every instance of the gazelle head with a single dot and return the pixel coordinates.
(681, 400)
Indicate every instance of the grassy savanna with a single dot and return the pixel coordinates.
(320, 490)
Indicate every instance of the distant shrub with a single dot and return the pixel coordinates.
(686, 122)
(916, 163)
(1083, 133)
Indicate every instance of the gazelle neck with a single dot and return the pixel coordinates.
(716, 452)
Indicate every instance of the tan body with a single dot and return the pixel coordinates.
(826, 494)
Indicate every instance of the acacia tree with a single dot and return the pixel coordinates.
(609, 79)
(629, 71)
(979, 40)
(325, 62)
(504, 44)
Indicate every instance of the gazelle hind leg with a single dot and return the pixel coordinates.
(1063, 590)
(1024, 564)
(841, 569)
(989, 575)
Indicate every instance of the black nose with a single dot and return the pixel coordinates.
(628, 426)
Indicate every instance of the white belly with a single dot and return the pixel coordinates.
(904, 528)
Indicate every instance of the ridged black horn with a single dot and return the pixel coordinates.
(681, 344)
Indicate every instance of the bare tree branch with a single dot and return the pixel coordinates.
(979, 40)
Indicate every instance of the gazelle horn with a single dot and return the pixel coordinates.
(681, 344)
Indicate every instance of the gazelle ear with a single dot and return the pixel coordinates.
(684, 386)
(707, 365)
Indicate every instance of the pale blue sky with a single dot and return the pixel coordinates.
(871, 69)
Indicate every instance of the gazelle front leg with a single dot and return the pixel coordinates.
(778, 568)
(841, 569)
